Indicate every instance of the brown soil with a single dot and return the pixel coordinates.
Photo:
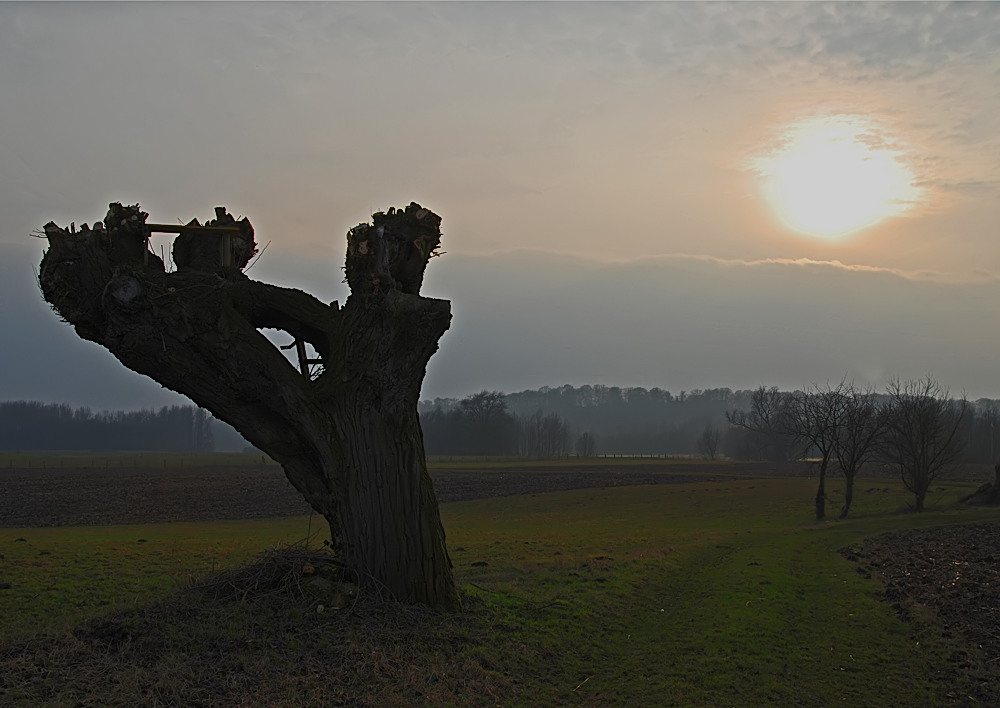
(135, 495)
(952, 572)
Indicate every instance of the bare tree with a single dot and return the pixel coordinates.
(708, 441)
(814, 419)
(487, 426)
(543, 435)
(343, 423)
(921, 436)
(484, 408)
(586, 445)
(555, 438)
(861, 428)
(768, 422)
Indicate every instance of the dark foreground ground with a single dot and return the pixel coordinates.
(949, 574)
(952, 572)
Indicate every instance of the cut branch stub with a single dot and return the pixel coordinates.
(392, 252)
(209, 247)
(126, 237)
(79, 266)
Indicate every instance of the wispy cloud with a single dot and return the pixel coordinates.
(584, 263)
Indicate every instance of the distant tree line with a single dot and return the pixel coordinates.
(30, 425)
(547, 422)
(481, 424)
(612, 420)
(592, 419)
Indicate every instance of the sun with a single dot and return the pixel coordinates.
(831, 176)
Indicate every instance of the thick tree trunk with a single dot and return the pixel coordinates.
(347, 435)
(387, 518)
(848, 496)
(821, 490)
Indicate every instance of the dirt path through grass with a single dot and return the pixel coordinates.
(674, 599)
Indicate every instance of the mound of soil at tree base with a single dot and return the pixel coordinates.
(953, 571)
(135, 495)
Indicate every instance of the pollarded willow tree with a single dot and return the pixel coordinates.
(343, 424)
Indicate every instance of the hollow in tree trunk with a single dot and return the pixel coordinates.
(343, 423)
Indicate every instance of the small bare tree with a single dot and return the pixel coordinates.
(921, 435)
(708, 441)
(814, 419)
(769, 422)
(861, 429)
(586, 445)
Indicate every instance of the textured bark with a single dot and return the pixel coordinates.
(848, 496)
(347, 435)
(821, 490)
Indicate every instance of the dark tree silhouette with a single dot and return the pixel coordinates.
(343, 424)
(542, 435)
(708, 441)
(860, 431)
(921, 435)
(487, 427)
(769, 422)
(815, 420)
(586, 445)
(30, 425)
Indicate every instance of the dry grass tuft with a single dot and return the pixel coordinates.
(285, 571)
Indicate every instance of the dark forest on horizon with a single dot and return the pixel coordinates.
(30, 425)
(546, 422)
(612, 420)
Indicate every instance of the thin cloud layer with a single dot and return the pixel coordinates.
(683, 322)
(529, 319)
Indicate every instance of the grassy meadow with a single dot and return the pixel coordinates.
(700, 594)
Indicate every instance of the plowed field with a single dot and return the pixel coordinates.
(89, 496)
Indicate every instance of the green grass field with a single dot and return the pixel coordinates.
(706, 594)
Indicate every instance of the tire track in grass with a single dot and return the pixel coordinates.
(760, 619)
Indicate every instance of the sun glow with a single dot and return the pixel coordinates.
(832, 176)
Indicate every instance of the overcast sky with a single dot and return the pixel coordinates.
(615, 179)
